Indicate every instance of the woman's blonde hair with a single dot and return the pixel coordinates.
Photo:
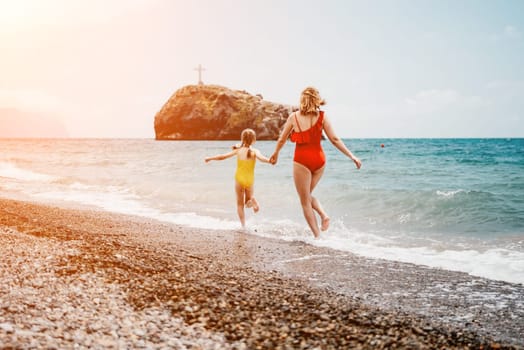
(310, 101)
(247, 138)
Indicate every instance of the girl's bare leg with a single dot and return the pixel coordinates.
(251, 202)
(240, 203)
(255, 205)
(303, 177)
(315, 203)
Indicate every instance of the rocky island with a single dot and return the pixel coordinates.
(213, 112)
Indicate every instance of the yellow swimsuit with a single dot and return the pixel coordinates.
(245, 174)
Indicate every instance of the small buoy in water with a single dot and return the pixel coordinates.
(382, 145)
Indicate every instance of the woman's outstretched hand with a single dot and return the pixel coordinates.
(357, 162)
(273, 159)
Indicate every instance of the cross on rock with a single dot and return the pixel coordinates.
(200, 69)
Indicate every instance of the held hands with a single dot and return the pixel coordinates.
(274, 158)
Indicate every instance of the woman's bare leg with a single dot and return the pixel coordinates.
(315, 178)
(240, 203)
(303, 177)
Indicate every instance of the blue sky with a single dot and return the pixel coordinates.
(386, 68)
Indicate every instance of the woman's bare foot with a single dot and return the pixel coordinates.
(325, 223)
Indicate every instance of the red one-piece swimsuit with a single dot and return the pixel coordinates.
(308, 150)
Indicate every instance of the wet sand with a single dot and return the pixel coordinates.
(88, 279)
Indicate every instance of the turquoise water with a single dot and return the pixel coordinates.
(471, 187)
(456, 204)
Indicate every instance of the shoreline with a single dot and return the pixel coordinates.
(227, 289)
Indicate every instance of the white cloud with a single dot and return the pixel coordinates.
(429, 101)
(511, 32)
(426, 113)
(508, 32)
(511, 92)
(515, 85)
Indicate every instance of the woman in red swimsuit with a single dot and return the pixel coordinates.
(305, 128)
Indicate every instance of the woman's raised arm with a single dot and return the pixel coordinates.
(338, 143)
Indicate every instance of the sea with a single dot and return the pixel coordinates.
(453, 204)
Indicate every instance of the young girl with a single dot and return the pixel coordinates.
(245, 174)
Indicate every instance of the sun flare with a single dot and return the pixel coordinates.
(18, 13)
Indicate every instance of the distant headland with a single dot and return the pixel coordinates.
(17, 123)
(213, 112)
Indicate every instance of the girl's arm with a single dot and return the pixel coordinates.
(261, 157)
(222, 156)
(288, 126)
(338, 143)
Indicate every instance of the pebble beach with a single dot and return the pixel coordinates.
(84, 279)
